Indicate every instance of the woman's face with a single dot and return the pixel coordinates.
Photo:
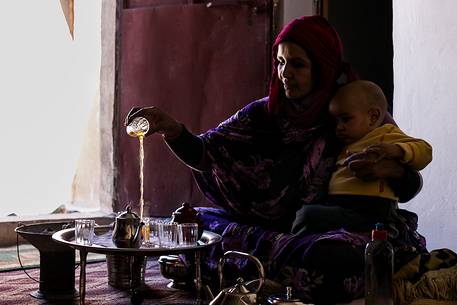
(294, 70)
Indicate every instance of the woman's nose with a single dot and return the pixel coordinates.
(286, 72)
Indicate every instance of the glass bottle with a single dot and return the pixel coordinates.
(379, 268)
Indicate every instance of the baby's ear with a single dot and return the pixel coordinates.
(375, 115)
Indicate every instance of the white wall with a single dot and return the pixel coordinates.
(425, 105)
(48, 84)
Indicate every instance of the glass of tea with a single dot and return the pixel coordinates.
(138, 127)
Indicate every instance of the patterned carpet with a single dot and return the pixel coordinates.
(30, 257)
(15, 288)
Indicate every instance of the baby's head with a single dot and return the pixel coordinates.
(358, 108)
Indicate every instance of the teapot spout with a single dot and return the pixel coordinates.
(136, 239)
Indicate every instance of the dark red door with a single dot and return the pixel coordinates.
(198, 62)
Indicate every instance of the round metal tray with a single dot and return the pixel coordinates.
(103, 244)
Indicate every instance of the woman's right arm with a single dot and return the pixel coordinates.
(186, 146)
(189, 149)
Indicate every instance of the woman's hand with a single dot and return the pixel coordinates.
(388, 151)
(159, 122)
(368, 165)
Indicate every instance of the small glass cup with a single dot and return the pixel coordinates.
(188, 234)
(168, 234)
(84, 231)
(155, 229)
(138, 127)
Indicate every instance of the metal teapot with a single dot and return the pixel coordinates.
(238, 294)
(127, 230)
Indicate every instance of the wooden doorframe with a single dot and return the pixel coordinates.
(321, 8)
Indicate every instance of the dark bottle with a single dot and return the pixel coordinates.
(379, 268)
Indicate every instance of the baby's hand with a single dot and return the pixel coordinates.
(383, 150)
(365, 156)
(375, 162)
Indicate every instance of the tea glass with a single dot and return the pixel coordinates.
(151, 232)
(84, 231)
(188, 234)
(168, 234)
(155, 229)
(138, 127)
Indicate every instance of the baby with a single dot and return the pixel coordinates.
(359, 109)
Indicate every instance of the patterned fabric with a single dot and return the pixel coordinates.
(264, 169)
(312, 264)
(431, 275)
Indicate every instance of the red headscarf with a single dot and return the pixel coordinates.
(323, 45)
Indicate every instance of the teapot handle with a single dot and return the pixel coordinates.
(220, 266)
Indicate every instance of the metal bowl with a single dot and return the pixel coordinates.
(171, 267)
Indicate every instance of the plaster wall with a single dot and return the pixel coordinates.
(425, 91)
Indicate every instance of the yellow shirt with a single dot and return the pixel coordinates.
(418, 153)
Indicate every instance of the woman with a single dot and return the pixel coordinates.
(277, 154)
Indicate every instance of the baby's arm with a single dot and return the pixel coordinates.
(384, 150)
(417, 153)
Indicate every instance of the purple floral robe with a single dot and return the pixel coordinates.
(263, 170)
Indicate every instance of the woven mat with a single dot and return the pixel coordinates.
(30, 257)
(15, 288)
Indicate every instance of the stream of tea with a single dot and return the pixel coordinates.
(138, 128)
(141, 139)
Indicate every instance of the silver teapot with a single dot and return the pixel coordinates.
(238, 294)
(127, 230)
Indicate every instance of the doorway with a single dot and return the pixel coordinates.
(365, 28)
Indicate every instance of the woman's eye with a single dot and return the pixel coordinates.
(298, 64)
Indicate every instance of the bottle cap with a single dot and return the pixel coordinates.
(379, 232)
